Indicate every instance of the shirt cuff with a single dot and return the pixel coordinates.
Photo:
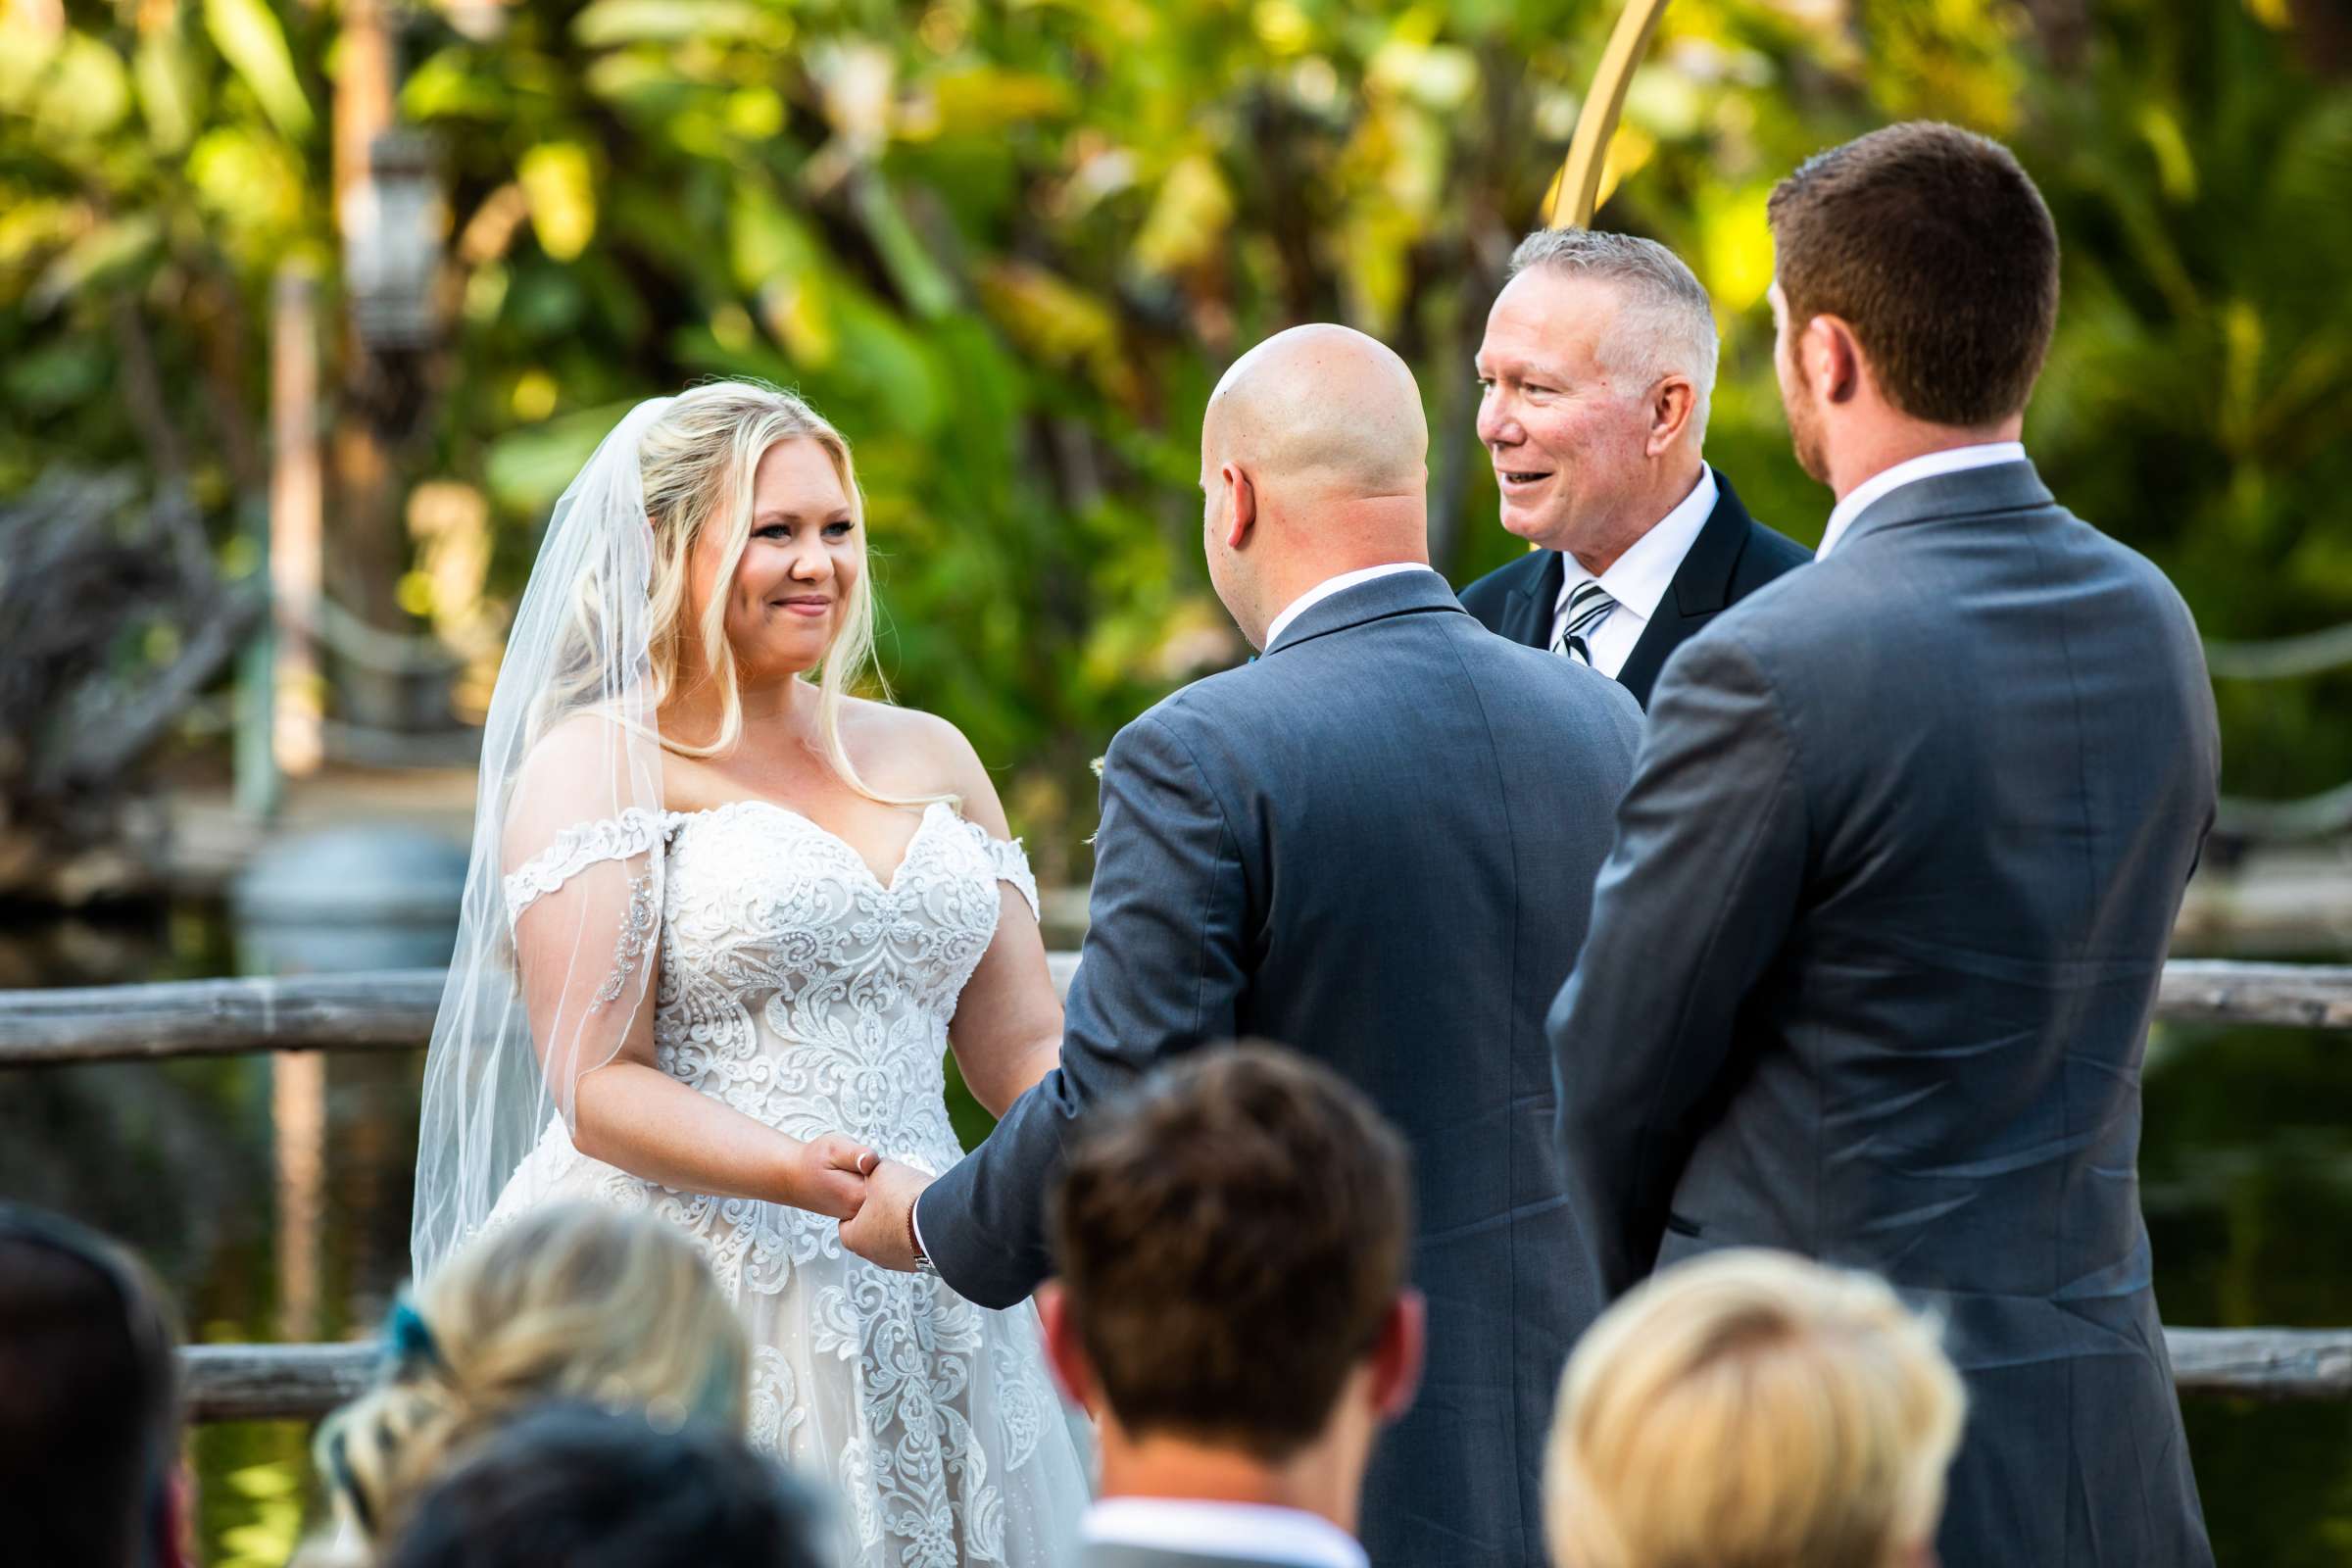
(914, 1219)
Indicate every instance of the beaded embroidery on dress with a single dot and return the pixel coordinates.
(806, 992)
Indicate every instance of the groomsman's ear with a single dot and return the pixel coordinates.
(1073, 1374)
(1833, 356)
(1242, 515)
(1397, 1356)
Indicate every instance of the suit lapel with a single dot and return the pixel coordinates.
(1701, 587)
(1535, 603)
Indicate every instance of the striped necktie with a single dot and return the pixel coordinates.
(1587, 607)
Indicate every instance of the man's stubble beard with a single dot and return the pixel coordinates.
(1804, 427)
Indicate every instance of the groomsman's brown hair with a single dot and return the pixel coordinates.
(1933, 244)
(1233, 1242)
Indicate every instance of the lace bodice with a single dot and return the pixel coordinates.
(805, 991)
(795, 984)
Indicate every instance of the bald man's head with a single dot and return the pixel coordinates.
(1314, 462)
(1322, 410)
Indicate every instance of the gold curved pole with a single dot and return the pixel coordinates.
(1577, 191)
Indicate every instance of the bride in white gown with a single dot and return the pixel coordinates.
(723, 923)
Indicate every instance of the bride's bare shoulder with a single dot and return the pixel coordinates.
(587, 756)
(905, 751)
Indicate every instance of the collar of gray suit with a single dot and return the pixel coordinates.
(1971, 492)
(1403, 593)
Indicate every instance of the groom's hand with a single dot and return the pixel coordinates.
(882, 1231)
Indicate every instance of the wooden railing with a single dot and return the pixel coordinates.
(303, 1382)
(393, 1010)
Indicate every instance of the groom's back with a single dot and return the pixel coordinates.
(1420, 810)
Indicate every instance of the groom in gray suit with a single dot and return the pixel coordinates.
(1873, 961)
(1375, 844)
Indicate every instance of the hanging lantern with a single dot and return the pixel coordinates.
(393, 222)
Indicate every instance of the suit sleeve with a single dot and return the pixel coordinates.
(1690, 910)
(1162, 971)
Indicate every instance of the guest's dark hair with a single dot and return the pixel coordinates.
(575, 1485)
(1231, 1237)
(89, 1404)
(1931, 243)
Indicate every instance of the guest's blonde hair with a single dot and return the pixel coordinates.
(572, 1300)
(1749, 1410)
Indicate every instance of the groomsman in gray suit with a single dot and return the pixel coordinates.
(1872, 964)
(1233, 1310)
(1594, 378)
(1375, 844)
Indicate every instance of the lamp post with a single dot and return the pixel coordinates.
(392, 218)
(392, 222)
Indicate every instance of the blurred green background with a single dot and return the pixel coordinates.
(1007, 248)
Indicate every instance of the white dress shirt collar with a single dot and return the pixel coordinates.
(1952, 460)
(1332, 585)
(1252, 1532)
(1639, 579)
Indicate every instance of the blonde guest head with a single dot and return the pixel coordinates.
(1750, 1409)
(571, 1301)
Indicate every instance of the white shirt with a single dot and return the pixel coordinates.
(1253, 1531)
(1638, 579)
(1955, 460)
(1332, 585)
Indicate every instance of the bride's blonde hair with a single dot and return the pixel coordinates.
(697, 462)
(572, 1300)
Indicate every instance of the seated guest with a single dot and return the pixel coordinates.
(89, 1402)
(573, 1300)
(1749, 1410)
(1233, 1309)
(1596, 374)
(571, 1486)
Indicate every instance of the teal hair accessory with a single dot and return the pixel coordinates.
(721, 1388)
(407, 1336)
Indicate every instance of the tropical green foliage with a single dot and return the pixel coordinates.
(1009, 247)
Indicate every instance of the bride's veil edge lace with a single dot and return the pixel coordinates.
(571, 789)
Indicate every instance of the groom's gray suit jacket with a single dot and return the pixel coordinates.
(1377, 845)
(1871, 972)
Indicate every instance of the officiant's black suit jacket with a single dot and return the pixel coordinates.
(1375, 844)
(1732, 558)
(1871, 971)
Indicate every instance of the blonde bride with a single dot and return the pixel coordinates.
(723, 922)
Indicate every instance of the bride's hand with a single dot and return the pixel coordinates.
(829, 1175)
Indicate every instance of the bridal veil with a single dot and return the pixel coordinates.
(566, 859)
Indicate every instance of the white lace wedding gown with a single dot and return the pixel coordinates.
(804, 992)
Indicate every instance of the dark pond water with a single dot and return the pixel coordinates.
(2248, 1167)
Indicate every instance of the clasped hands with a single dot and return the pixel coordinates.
(873, 1198)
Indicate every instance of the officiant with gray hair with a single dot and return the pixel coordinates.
(1594, 378)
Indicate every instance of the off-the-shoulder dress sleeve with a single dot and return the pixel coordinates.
(1008, 861)
(633, 832)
